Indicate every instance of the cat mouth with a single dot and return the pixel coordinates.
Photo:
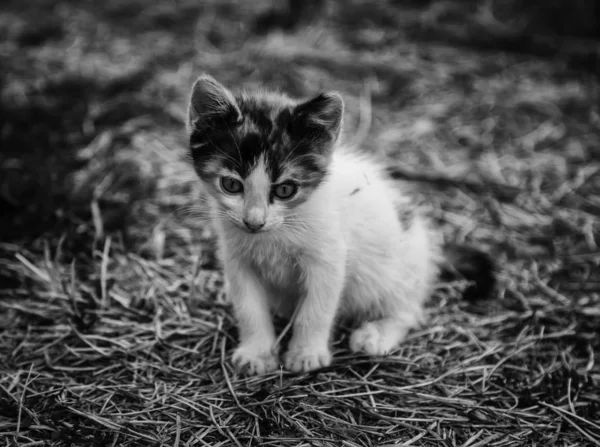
(245, 229)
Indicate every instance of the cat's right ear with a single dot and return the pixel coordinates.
(211, 101)
(323, 113)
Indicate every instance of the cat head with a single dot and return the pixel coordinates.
(261, 155)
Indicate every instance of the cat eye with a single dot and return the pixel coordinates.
(231, 185)
(285, 190)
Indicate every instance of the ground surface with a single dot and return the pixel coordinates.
(114, 330)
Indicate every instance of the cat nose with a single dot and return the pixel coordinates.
(253, 226)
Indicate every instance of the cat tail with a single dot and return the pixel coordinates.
(463, 262)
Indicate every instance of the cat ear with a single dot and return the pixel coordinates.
(323, 112)
(210, 100)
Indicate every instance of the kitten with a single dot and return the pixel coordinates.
(306, 227)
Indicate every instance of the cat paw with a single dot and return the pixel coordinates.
(374, 339)
(307, 359)
(252, 363)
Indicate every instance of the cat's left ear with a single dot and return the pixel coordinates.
(325, 112)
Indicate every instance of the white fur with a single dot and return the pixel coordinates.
(341, 253)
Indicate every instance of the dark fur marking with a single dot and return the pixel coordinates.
(407, 217)
(288, 139)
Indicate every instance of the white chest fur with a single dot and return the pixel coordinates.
(276, 262)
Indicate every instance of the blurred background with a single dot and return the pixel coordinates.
(94, 93)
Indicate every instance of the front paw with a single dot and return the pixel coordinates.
(307, 359)
(254, 362)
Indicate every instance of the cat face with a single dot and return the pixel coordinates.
(261, 155)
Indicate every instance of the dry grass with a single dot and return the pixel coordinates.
(114, 328)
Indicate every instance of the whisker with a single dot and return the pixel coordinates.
(197, 210)
(305, 217)
(292, 151)
(235, 142)
(301, 157)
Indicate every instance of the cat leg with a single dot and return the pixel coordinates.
(254, 354)
(309, 347)
(380, 337)
(393, 305)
